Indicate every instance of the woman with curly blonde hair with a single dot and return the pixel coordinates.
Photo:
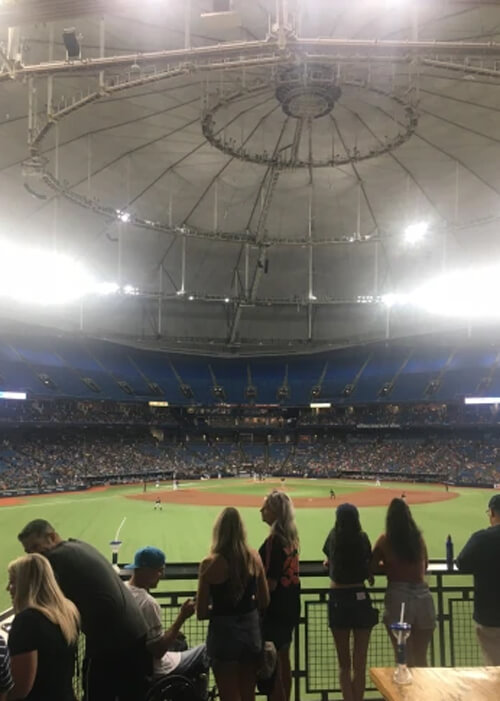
(44, 633)
(280, 556)
(232, 590)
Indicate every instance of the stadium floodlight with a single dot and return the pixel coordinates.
(130, 290)
(191, 298)
(227, 300)
(320, 405)
(390, 300)
(416, 232)
(123, 216)
(482, 400)
(42, 277)
(468, 294)
(107, 288)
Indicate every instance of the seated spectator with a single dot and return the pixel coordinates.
(117, 662)
(6, 682)
(232, 589)
(402, 554)
(44, 633)
(280, 556)
(147, 570)
(481, 558)
(348, 554)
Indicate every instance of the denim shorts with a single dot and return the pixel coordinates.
(418, 601)
(234, 638)
(351, 609)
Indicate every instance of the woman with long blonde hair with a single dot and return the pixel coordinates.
(280, 556)
(44, 633)
(232, 589)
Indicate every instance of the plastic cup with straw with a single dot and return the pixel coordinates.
(401, 632)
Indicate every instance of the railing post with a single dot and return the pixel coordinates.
(440, 617)
(296, 661)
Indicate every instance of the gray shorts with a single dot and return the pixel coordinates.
(419, 605)
(234, 638)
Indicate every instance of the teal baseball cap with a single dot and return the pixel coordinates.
(150, 557)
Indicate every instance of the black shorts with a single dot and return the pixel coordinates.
(278, 632)
(351, 609)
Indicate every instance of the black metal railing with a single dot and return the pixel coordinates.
(314, 663)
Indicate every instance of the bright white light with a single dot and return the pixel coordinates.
(312, 298)
(12, 395)
(415, 233)
(390, 300)
(227, 300)
(130, 290)
(41, 277)
(482, 400)
(179, 293)
(107, 288)
(466, 293)
(123, 216)
(191, 298)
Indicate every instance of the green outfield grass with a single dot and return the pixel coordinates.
(184, 532)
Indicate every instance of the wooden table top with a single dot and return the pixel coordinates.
(440, 684)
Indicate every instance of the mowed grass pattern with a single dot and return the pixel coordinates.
(184, 532)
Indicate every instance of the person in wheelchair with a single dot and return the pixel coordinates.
(167, 647)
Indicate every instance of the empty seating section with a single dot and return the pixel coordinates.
(346, 376)
(424, 365)
(343, 367)
(115, 361)
(465, 372)
(380, 370)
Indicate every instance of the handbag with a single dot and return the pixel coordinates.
(267, 667)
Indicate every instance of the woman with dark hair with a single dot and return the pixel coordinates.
(232, 589)
(348, 554)
(402, 554)
(280, 556)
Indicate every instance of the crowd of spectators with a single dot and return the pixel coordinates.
(40, 459)
(88, 413)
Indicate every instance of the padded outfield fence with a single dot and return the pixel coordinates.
(314, 663)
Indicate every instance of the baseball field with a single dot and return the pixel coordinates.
(182, 528)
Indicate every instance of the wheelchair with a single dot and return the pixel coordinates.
(176, 687)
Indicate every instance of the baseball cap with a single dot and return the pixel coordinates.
(150, 557)
(494, 503)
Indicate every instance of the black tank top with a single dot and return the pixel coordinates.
(222, 604)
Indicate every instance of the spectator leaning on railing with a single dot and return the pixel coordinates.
(348, 555)
(481, 558)
(402, 554)
(116, 659)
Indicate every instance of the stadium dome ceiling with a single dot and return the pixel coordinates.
(248, 168)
